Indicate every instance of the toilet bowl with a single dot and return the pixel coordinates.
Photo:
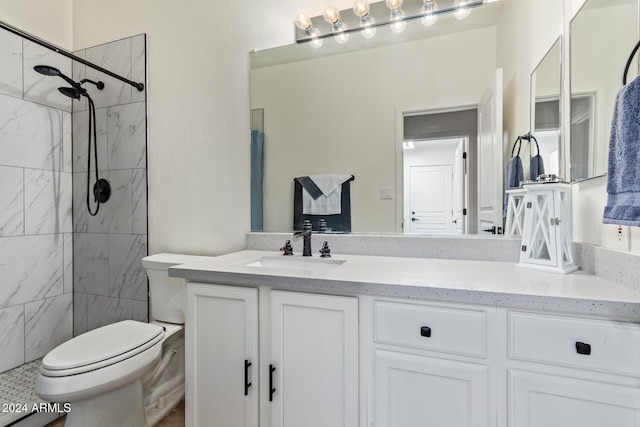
(127, 373)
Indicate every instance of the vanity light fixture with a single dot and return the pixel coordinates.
(303, 21)
(332, 16)
(462, 9)
(367, 17)
(361, 9)
(397, 16)
(430, 17)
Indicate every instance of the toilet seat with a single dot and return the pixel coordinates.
(100, 348)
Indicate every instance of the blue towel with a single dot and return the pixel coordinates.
(623, 179)
(514, 175)
(537, 167)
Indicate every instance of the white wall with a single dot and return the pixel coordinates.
(50, 20)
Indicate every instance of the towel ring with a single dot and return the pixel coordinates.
(626, 68)
(519, 142)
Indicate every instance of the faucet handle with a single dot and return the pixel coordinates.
(287, 249)
(325, 252)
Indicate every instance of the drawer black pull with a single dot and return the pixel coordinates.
(425, 331)
(583, 348)
(272, 389)
(247, 384)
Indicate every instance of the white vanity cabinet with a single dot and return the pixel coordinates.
(221, 356)
(307, 363)
(429, 365)
(572, 371)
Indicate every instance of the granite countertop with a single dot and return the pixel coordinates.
(462, 281)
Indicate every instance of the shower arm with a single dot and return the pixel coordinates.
(46, 44)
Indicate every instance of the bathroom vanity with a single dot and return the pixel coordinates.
(358, 340)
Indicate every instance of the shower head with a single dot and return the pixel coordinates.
(71, 92)
(48, 70)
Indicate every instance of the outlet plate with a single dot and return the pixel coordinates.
(616, 237)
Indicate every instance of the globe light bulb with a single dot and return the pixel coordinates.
(315, 43)
(331, 15)
(398, 27)
(397, 20)
(368, 30)
(302, 20)
(361, 8)
(393, 4)
(429, 8)
(462, 10)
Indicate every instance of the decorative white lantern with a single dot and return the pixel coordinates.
(515, 212)
(546, 237)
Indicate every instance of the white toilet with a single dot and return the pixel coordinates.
(128, 373)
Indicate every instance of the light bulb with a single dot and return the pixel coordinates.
(341, 37)
(368, 30)
(393, 4)
(429, 8)
(331, 15)
(302, 20)
(315, 42)
(397, 20)
(361, 8)
(462, 10)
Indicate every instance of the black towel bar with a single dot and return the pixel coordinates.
(626, 68)
(353, 178)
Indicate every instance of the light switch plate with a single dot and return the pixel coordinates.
(386, 193)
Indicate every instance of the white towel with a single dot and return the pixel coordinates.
(330, 202)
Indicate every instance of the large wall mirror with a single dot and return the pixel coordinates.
(350, 109)
(546, 113)
(603, 33)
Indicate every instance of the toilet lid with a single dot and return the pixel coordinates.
(103, 346)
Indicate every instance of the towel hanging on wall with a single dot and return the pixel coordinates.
(623, 177)
(514, 173)
(536, 166)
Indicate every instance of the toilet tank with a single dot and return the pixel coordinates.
(166, 293)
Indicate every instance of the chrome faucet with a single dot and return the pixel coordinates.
(306, 235)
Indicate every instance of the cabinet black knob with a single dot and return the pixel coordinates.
(583, 348)
(425, 331)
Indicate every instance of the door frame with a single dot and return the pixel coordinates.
(401, 113)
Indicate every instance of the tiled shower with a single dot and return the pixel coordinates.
(62, 271)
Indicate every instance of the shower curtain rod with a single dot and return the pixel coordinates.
(43, 43)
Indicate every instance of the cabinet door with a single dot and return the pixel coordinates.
(221, 340)
(314, 346)
(418, 391)
(540, 400)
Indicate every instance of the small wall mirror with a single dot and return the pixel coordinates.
(603, 33)
(546, 113)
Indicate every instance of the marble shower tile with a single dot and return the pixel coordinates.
(127, 136)
(115, 57)
(80, 141)
(10, 64)
(106, 310)
(140, 311)
(138, 66)
(31, 268)
(47, 201)
(139, 200)
(30, 135)
(68, 263)
(67, 142)
(11, 201)
(91, 263)
(127, 278)
(80, 213)
(80, 306)
(44, 89)
(47, 324)
(12, 337)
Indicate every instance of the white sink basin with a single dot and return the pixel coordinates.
(295, 263)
